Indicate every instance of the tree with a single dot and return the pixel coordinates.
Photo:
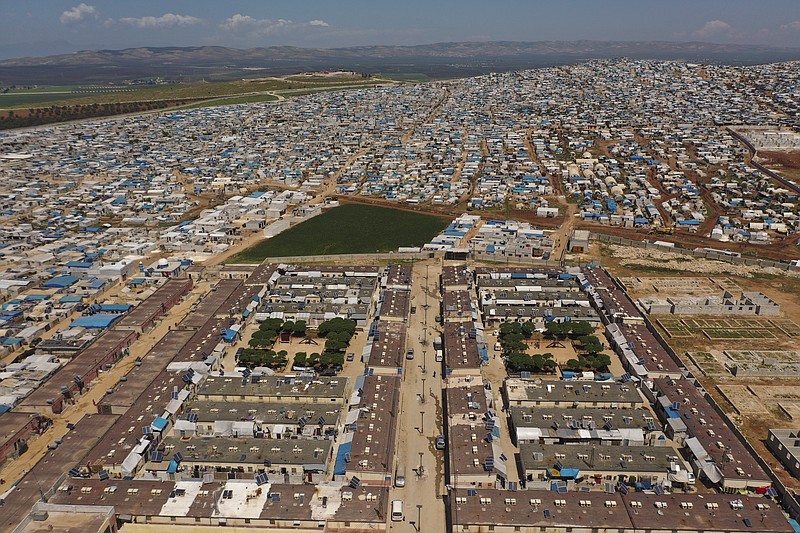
(574, 364)
(273, 324)
(337, 325)
(580, 328)
(299, 329)
(590, 344)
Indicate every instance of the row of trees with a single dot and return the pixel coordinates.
(320, 362)
(252, 357)
(36, 116)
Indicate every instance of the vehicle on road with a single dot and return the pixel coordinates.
(397, 511)
(413, 309)
(351, 356)
(439, 356)
(400, 476)
(410, 353)
(440, 444)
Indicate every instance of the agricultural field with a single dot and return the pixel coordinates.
(342, 231)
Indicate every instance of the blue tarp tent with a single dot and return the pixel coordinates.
(341, 464)
(569, 473)
(60, 282)
(98, 321)
(160, 423)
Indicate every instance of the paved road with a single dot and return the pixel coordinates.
(421, 413)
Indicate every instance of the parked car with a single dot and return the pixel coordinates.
(351, 356)
(440, 444)
(410, 353)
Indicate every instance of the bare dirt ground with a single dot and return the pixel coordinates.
(758, 398)
(786, 163)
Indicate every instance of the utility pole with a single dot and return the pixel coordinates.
(422, 396)
(422, 422)
(419, 517)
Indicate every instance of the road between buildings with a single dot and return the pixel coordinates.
(421, 415)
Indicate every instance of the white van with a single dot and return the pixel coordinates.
(400, 476)
(439, 356)
(397, 511)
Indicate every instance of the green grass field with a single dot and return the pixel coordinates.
(235, 100)
(34, 99)
(348, 229)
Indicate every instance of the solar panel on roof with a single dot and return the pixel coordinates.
(156, 456)
(192, 417)
(227, 494)
(659, 490)
(562, 490)
(103, 475)
(609, 488)
(586, 489)
(525, 375)
(651, 426)
(490, 424)
(147, 430)
(513, 486)
(554, 487)
(246, 372)
(355, 482)
(772, 493)
(559, 465)
(676, 406)
(503, 457)
(74, 472)
(747, 522)
(174, 395)
(472, 492)
(178, 456)
(547, 514)
(302, 421)
(321, 421)
(626, 377)
(623, 488)
(261, 479)
(488, 463)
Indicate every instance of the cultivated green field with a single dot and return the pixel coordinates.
(348, 229)
(35, 99)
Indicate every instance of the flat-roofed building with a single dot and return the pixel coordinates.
(280, 389)
(601, 463)
(292, 460)
(540, 393)
(563, 425)
(462, 352)
(208, 418)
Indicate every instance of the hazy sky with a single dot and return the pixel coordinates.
(39, 27)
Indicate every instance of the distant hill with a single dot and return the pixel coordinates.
(435, 60)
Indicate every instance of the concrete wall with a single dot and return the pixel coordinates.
(613, 239)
